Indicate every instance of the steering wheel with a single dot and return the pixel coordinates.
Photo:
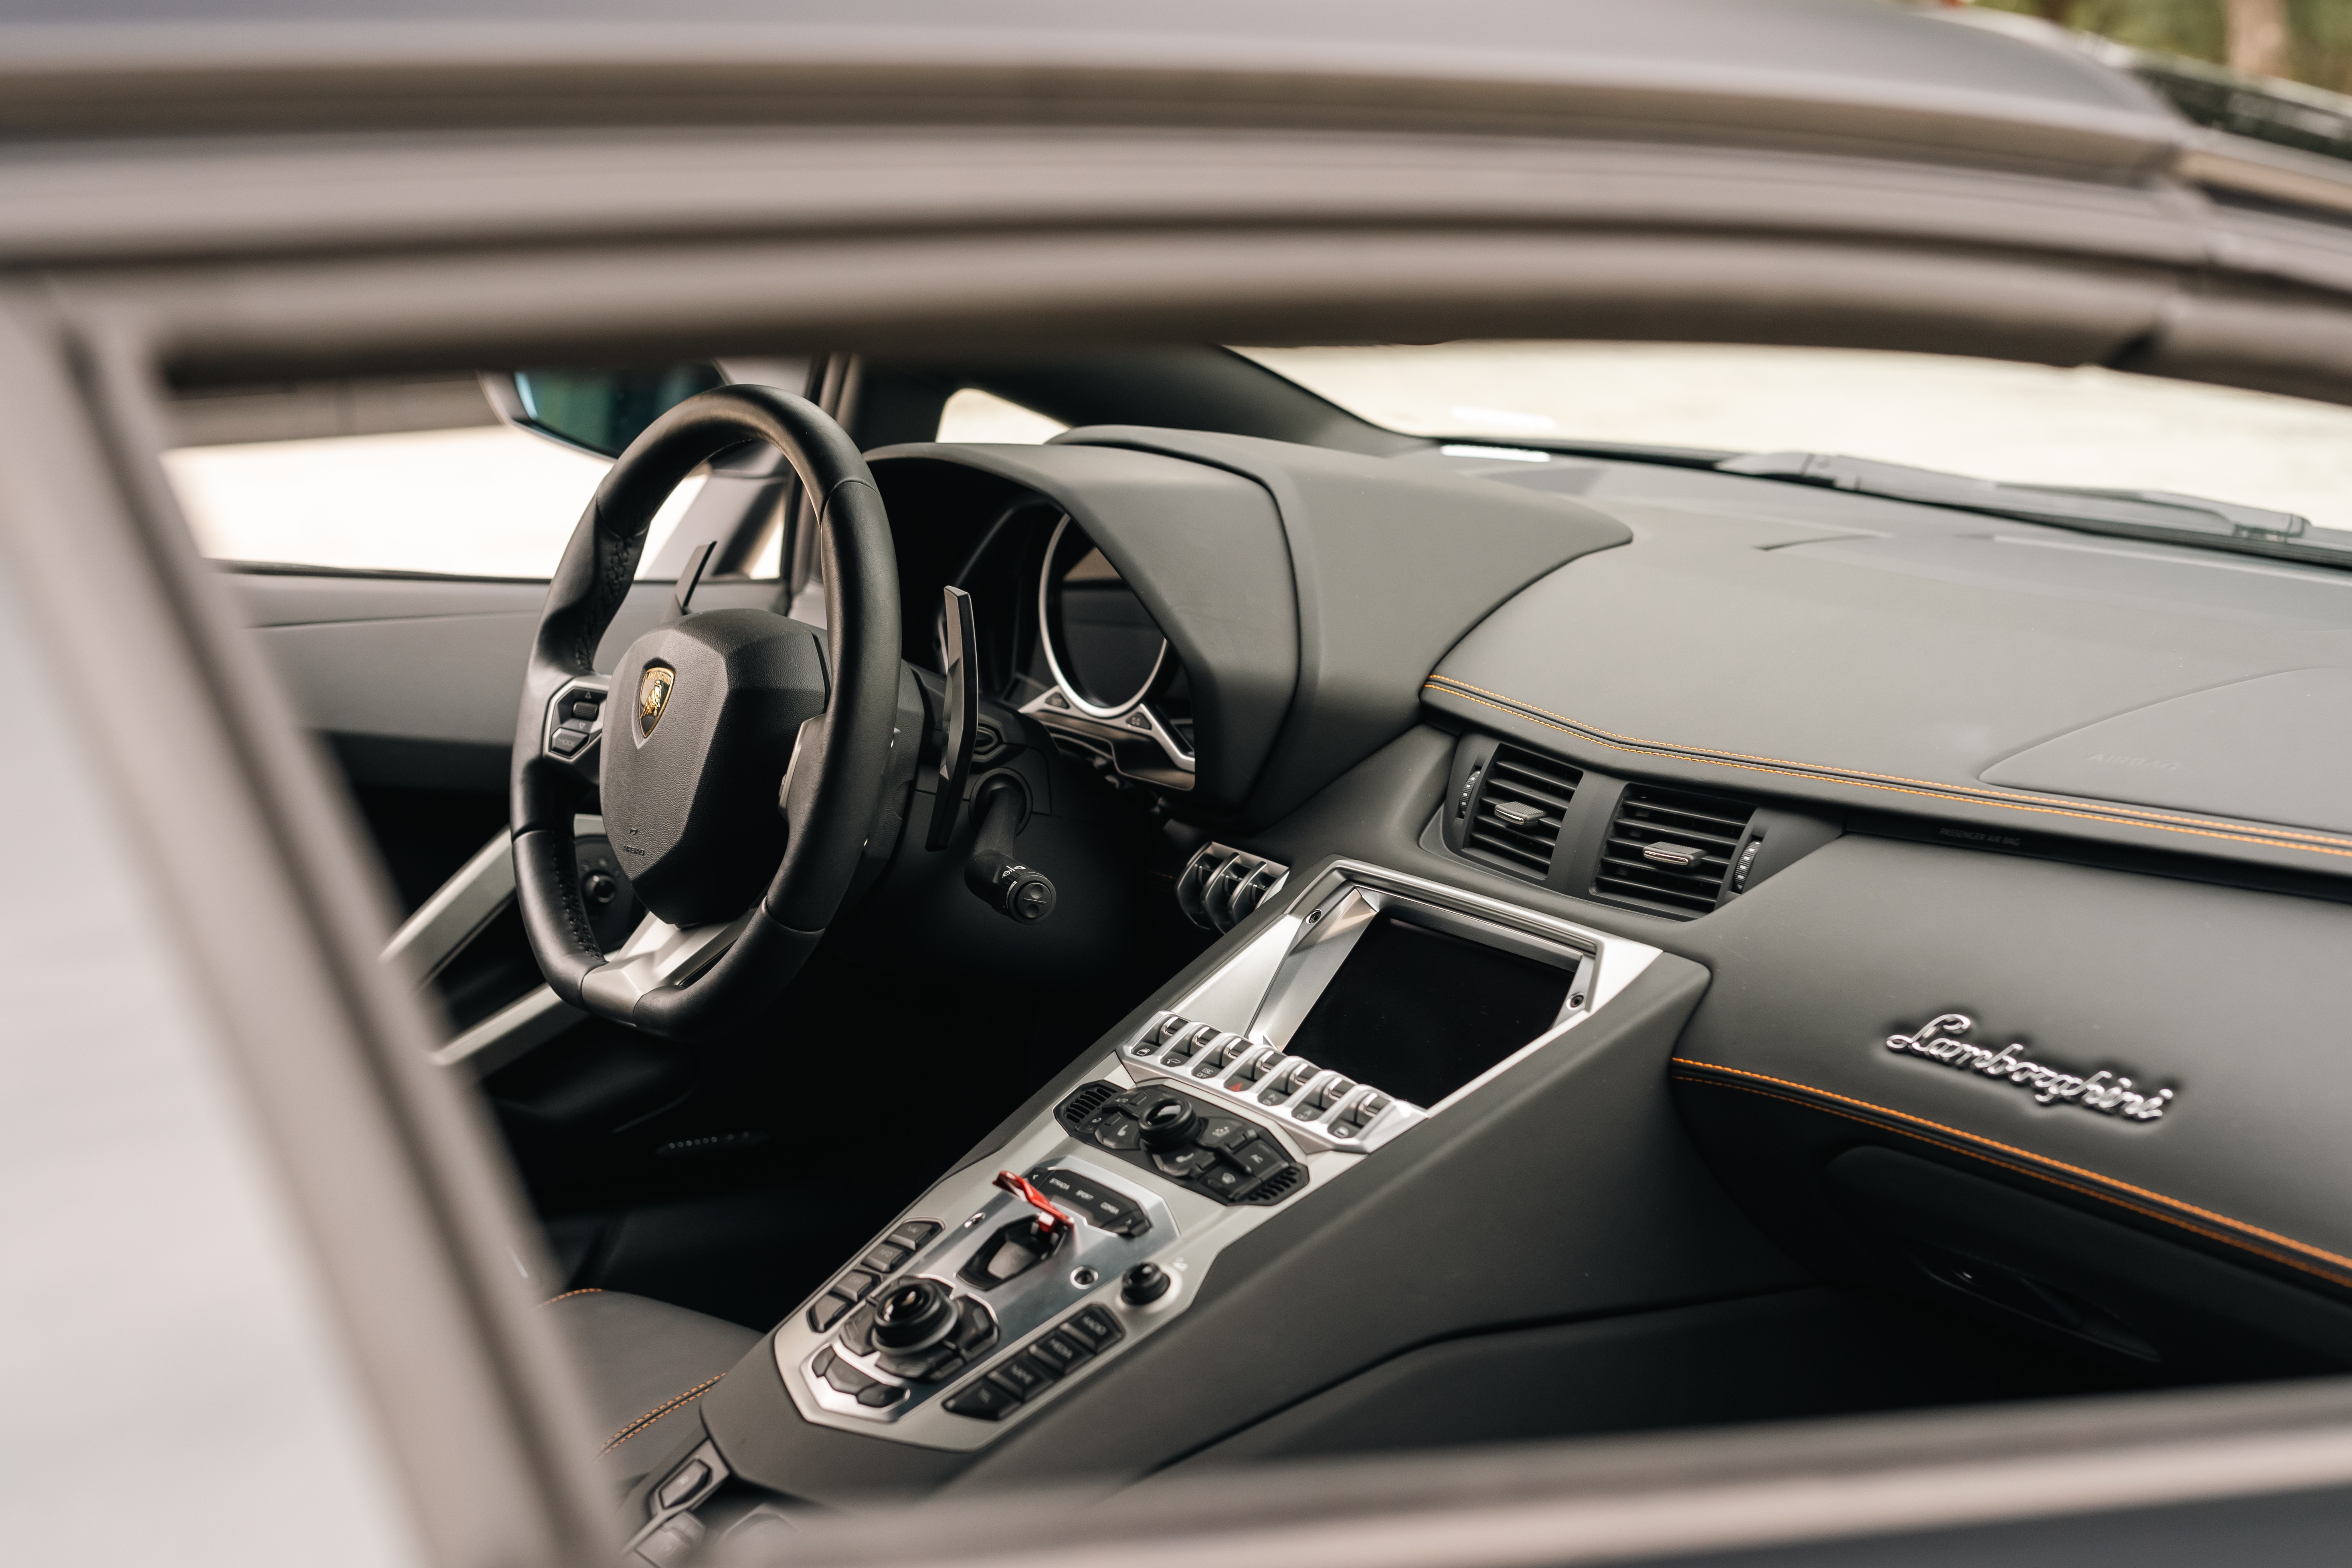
(732, 749)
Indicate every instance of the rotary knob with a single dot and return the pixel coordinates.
(915, 1316)
(1145, 1283)
(1169, 1124)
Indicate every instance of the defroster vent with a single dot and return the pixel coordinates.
(1516, 820)
(1670, 850)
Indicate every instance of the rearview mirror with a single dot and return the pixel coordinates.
(595, 411)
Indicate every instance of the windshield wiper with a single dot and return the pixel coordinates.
(2162, 516)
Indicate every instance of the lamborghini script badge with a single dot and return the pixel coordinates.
(1940, 1041)
(652, 696)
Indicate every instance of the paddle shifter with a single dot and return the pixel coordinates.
(999, 807)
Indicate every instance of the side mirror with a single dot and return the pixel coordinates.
(596, 411)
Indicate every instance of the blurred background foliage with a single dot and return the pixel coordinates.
(2303, 40)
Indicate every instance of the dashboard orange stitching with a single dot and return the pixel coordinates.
(2174, 1220)
(2283, 839)
(583, 1290)
(1969, 792)
(2035, 1161)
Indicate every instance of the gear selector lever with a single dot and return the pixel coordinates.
(1017, 1247)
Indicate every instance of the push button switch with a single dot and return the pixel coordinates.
(982, 1401)
(914, 1234)
(1021, 1378)
(1224, 1132)
(1184, 1162)
(886, 1258)
(1097, 1326)
(1104, 1209)
(1257, 1157)
(1063, 1351)
(690, 1479)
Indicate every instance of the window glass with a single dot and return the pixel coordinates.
(484, 502)
(173, 1384)
(972, 415)
(2036, 424)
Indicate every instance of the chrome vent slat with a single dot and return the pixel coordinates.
(1522, 804)
(1696, 839)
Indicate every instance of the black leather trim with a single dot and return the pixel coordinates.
(1451, 691)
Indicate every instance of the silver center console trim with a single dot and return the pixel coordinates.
(1254, 995)
(1021, 1316)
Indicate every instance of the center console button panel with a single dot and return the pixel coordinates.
(1340, 1025)
(1188, 1141)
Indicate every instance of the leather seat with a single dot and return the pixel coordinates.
(645, 1363)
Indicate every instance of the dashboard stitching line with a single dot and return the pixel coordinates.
(2283, 839)
(583, 1290)
(1852, 775)
(2029, 1167)
(2022, 1169)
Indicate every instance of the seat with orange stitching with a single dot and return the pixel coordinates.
(645, 1364)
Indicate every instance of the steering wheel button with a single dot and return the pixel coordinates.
(587, 711)
(566, 741)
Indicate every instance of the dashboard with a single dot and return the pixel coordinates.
(1634, 888)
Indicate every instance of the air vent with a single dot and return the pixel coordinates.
(1088, 1101)
(1671, 850)
(1515, 821)
(1276, 1188)
(1221, 885)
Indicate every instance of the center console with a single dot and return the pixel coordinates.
(1371, 1003)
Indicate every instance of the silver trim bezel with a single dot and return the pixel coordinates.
(1046, 640)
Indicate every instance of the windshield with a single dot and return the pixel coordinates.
(2023, 424)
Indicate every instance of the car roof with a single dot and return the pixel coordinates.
(1800, 48)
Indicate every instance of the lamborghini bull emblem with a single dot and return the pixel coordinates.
(652, 696)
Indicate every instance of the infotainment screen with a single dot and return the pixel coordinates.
(1417, 1014)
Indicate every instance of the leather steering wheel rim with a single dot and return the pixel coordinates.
(838, 768)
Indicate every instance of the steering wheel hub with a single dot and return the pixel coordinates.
(689, 784)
